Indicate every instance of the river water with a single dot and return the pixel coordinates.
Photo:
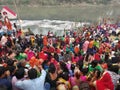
(43, 26)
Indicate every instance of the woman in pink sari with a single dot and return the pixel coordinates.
(85, 46)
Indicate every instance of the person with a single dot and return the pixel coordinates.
(3, 39)
(52, 76)
(85, 46)
(34, 82)
(64, 78)
(75, 81)
(61, 86)
(113, 71)
(19, 75)
(105, 82)
(5, 79)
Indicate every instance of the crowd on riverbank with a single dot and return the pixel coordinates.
(85, 60)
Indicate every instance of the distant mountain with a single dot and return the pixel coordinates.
(56, 2)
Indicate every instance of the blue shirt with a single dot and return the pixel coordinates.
(33, 84)
(6, 82)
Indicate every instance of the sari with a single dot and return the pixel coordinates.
(105, 83)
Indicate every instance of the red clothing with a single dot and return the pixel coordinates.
(77, 40)
(54, 61)
(43, 55)
(97, 56)
(19, 33)
(51, 49)
(45, 49)
(67, 40)
(58, 50)
(105, 82)
(100, 50)
(75, 59)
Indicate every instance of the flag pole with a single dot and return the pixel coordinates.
(19, 20)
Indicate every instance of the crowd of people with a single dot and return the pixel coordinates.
(84, 60)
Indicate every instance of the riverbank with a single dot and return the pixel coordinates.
(89, 13)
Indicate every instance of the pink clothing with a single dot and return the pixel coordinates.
(68, 66)
(77, 59)
(74, 81)
(91, 58)
(14, 80)
(83, 78)
(85, 46)
(81, 58)
(3, 40)
(30, 54)
(74, 60)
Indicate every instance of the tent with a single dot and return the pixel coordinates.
(6, 11)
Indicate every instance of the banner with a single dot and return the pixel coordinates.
(7, 12)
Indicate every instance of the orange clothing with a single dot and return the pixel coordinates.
(45, 41)
(8, 24)
(76, 49)
(91, 44)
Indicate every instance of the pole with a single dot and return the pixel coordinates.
(19, 20)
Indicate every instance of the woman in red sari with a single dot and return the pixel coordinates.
(105, 82)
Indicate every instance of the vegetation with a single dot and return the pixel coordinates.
(53, 2)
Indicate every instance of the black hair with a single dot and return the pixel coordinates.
(20, 73)
(32, 73)
(10, 52)
(65, 75)
(86, 58)
(2, 70)
(77, 75)
(64, 67)
(109, 64)
(4, 34)
(56, 56)
(101, 62)
(115, 68)
(94, 63)
(80, 64)
(72, 67)
(62, 53)
(98, 73)
(1, 61)
(9, 62)
(19, 65)
(18, 52)
(11, 69)
(84, 71)
(52, 68)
